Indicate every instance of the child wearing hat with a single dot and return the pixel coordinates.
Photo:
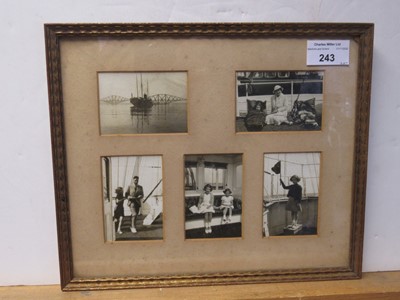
(294, 202)
(227, 205)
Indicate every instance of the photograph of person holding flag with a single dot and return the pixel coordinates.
(291, 209)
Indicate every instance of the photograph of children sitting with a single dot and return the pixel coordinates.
(213, 196)
(279, 101)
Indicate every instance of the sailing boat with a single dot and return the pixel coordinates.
(142, 101)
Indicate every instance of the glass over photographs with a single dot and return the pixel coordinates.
(92, 253)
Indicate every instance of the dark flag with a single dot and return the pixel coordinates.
(277, 168)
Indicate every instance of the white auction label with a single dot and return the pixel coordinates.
(328, 52)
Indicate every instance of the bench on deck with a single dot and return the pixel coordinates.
(193, 199)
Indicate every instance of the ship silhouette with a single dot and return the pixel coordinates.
(141, 101)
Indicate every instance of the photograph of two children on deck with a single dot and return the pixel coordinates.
(213, 196)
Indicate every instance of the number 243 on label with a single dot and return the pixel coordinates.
(327, 57)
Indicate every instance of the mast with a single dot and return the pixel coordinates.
(137, 88)
(272, 186)
(141, 85)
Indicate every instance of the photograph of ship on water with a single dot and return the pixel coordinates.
(213, 196)
(291, 185)
(132, 198)
(279, 100)
(142, 102)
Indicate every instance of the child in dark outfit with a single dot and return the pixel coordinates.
(294, 203)
(119, 209)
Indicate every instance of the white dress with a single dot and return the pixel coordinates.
(206, 206)
(227, 201)
(280, 111)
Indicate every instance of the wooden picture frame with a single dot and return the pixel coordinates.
(211, 54)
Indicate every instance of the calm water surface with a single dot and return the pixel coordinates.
(161, 118)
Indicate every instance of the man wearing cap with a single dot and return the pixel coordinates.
(135, 197)
(280, 107)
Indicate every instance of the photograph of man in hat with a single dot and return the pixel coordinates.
(135, 196)
(280, 108)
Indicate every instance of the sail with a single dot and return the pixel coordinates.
(304, 165)
(148, 168)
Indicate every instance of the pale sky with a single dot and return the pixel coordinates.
(124, 83)
(304, 165)
(148, 168)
